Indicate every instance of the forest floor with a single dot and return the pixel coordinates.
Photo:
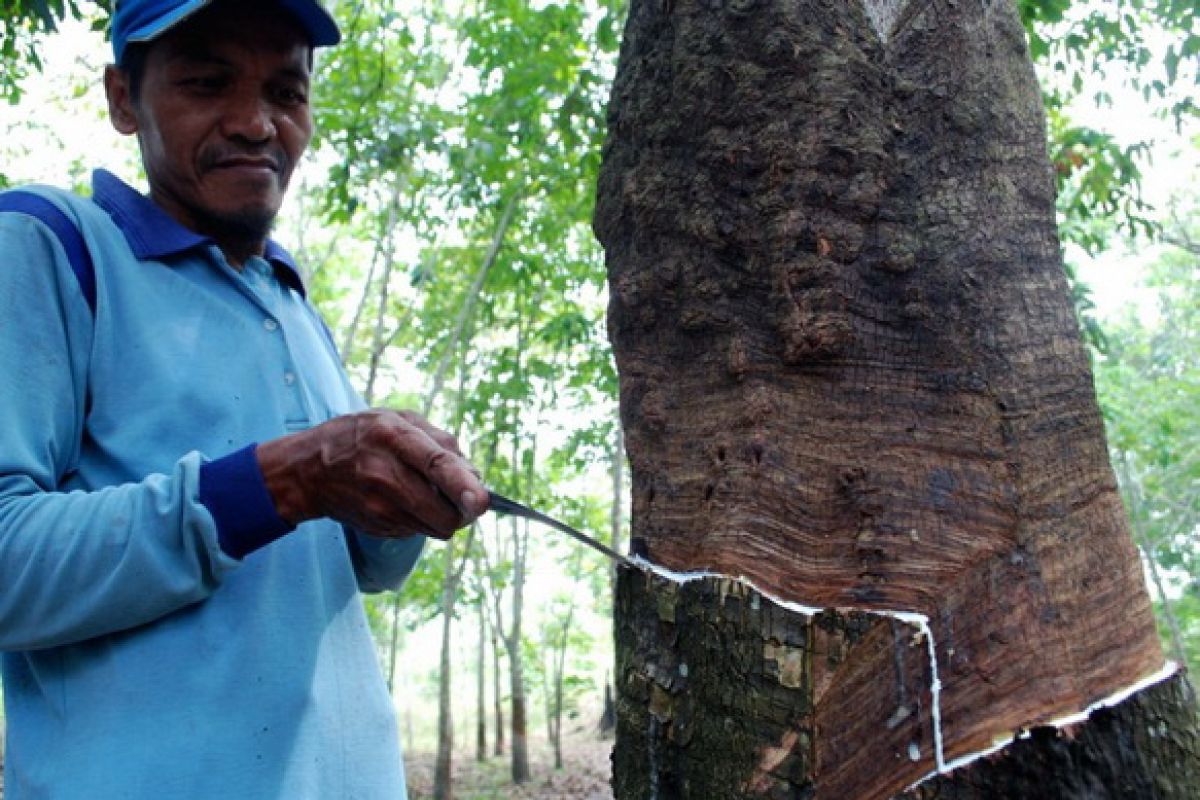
(584, 776)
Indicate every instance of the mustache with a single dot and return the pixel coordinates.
(215, 157)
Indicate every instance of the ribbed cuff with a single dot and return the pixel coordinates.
(234, 492)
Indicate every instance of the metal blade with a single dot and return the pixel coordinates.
(502, 505)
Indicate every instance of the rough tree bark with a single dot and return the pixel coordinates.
(851, 373)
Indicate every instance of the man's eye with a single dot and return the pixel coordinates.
(203, 83)
(291, 96)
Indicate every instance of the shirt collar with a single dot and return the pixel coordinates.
(153, 234)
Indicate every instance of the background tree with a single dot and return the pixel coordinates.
(1150, 387)
(24, 25)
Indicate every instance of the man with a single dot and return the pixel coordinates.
(191, 495)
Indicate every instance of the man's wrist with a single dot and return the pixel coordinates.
(277, 462)
(235, 493)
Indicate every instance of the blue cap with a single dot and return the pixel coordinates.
(138, 21)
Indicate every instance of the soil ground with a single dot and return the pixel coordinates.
(585, 774)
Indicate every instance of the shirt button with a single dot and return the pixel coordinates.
(289, 378)
(271, 325)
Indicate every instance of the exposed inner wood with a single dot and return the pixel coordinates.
(850, 368)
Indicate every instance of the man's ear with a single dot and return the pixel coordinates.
(120, 100)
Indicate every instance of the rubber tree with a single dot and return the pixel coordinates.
(862, 428)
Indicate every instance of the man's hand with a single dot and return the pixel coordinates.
(386, 473)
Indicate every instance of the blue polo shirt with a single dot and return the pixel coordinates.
(165, 633)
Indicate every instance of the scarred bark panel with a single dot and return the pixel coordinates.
(724, 694)
(849, 364)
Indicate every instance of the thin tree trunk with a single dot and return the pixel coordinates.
(1168, 608)
(608, 715)
(497, 695)
(464, 313)
(459, 339)
(378, 345)
(520, 736)
(548, 691)
(452, 579)
(443, 788)
(499, 639)
(559, 675)
(554, 721)
(443, 766)
(385, 250)
(516, 667)
(481, 691)
(1138, 515)
(851, 373)
(364, 300)
(512, 639)
(311, 263)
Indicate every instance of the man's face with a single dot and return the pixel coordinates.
(222, 117)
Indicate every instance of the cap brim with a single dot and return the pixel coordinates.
(317, 23)
(157, 27)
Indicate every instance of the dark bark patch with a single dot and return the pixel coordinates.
(809, 337)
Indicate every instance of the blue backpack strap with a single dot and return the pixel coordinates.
(62, 227)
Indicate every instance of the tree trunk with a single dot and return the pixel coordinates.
(443, 788)
(410, 735)
(558, 674)
(556, 725)
(608, 715)
(383, 309)
(481, 690)
(497, 695)
(520, 737)
(548, 695)
(512, 647)
(851, 373)
(1139, 519)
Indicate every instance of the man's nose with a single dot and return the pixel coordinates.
(249, 116)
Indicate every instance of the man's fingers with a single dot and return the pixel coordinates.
(449, 473)
(457, 479)
(431, 482)
(394, 500)
(439, 436)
